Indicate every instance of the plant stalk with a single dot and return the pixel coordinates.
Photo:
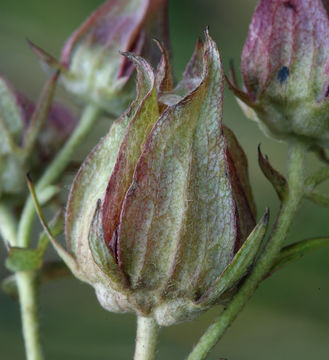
(285, 218)
(89, 116)
(28, 302)
(7, 225)
(26, 282)
(146, 339)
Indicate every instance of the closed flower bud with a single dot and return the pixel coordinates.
(285, 67)
(30, 134)
(91, 64)
(159, 213)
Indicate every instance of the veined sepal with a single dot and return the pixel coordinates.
(240, 264)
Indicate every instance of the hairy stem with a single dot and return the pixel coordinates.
(287, 213)
(7, 225)
(26, 280)
(56, 168)
(27, 297)
(146, 339)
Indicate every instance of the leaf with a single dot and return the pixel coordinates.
(276, 179)
(239, 265)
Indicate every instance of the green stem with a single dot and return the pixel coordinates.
(146, 339)
(27, 296)
(26, 281)
(7, 225)
(84, 127)
(289, 207)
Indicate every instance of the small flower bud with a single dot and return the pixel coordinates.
(30, 134)
(91, 65)
(285, 67)
(160, 211)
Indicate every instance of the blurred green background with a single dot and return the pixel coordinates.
(288, 318)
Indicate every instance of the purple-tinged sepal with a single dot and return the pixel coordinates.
(170, 209)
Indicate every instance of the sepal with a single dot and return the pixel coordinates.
(276, 179)
(240, 264)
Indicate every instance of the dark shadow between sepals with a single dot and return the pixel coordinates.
(240, 264)
(276, 179)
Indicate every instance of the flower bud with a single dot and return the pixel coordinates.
(159, 213)
(91, 64)
(285, 67)
(29, 135)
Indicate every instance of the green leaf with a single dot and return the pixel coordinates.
(239, 265)
(22, 259)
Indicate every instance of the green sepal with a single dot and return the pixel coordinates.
(56, 227)
(47, 60)
(10, 116)
(295, 251)
(100, 251)
(276, 179)
(243, 259)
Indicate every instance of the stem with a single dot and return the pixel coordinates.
(7, 225)
(146, 339)
(26, 283)
(288, 210)
(27, 296)
(85, 125)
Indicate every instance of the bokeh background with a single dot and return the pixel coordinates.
(288, 318)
